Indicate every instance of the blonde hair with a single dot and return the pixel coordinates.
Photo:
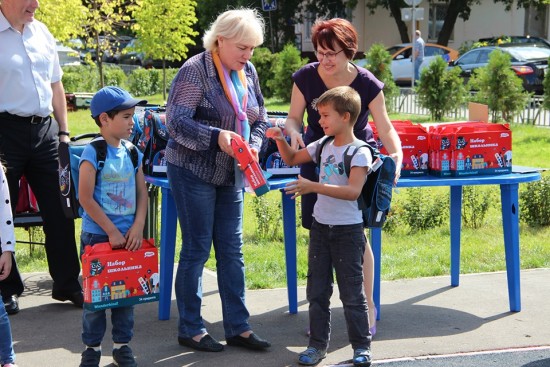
(243, 25)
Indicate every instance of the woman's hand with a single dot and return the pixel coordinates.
(397, 168)
(224, 141)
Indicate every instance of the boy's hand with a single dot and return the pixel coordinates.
(117, 240)
(5, 264)
(299, 187)
(134, 239)
(274, 133)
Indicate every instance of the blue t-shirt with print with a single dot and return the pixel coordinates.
(115, 188)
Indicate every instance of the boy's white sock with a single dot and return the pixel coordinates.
(97, 349)
(119, 345)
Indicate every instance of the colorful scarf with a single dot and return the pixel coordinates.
(235, 89)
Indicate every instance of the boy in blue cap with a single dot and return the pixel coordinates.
(114, 200)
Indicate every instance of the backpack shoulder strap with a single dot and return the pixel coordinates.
(132, 150)
(349, 156)
(100, 146)
(323, 141)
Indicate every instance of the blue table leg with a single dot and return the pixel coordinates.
(456, 223)
(167, 250)
(376, 245)
(510, 226)
(289, 228)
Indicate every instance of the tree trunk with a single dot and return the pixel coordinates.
(453, 11)
(395, 10)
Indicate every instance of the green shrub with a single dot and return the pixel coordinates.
(268, 218)
(476, 201)
(80, 78)
(534, 200)
(114, 75)
(379, 63)
(263, 61)
(440, 90)
(423, 209)
(499, 87)
(286, 63)
(140, 82)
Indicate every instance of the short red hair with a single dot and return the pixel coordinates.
(335, 31)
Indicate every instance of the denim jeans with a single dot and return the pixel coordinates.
(94, 323)
(417, 64)
(209, 214)
(340, 248)
(6, 344)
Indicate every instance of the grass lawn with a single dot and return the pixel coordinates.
(406, 254)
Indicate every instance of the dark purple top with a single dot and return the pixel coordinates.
(308, 80)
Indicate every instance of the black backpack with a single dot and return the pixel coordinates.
(69, 158)
(375, 198)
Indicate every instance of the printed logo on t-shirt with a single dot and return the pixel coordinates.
(329, 167)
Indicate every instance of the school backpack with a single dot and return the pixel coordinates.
(375, 198)
(152, 140)
(69, 159)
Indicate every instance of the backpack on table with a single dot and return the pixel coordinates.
(152, 141)
(375, 198)
(69, 160)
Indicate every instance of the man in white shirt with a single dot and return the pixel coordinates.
(418, 54)
(30, 90)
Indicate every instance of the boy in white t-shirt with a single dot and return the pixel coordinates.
(337, 238)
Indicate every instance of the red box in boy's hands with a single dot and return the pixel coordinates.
(119, 278)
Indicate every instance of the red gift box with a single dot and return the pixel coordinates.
(415, 146)
(470, 148)
(118, 277)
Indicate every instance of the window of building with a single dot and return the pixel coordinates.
(438, 11)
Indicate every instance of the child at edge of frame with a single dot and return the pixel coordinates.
(337, 239)
(115, 205)
(7, 247)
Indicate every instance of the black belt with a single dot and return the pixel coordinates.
(33, 120)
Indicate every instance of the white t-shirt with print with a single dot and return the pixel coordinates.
(329, 210)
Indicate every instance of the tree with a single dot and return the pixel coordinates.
(63, 18)
(164, 30)
(379, 63)
(456, 9)
(546, 84)
(440, 90)
(499, 87)
(104, 18)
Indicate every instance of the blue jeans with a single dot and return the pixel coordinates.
(209, 214)
(7, 354)
(417, 64)
(340, 248)
(94, 323)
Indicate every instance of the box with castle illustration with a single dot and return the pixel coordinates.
(414, 142)
(118, 277)
(470, 148)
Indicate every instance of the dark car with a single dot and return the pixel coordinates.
(130, 56)
(529, 63)
(516, 41)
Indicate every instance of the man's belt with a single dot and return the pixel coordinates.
(34, 120)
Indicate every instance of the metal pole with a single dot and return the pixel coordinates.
(271, 31)
(413, 41)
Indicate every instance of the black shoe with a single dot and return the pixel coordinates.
(252, 342)
(206, 344)
(12, 305)
(75, 297)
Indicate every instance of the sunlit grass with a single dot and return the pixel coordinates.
(404, 254)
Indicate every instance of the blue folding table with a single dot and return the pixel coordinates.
(509, 187)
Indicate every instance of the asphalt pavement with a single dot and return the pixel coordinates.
(424, 323)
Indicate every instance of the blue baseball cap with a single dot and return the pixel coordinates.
(112, 99)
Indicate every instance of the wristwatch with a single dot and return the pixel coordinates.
(66, 133)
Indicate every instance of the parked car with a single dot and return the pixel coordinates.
(401, 65)
(115, 45)
(130, 56)
(516, 41)
(528, 62)
(67, 55)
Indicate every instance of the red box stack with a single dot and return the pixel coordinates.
(470, 148)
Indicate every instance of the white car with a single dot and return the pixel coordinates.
(67, 56)
(401, 65)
